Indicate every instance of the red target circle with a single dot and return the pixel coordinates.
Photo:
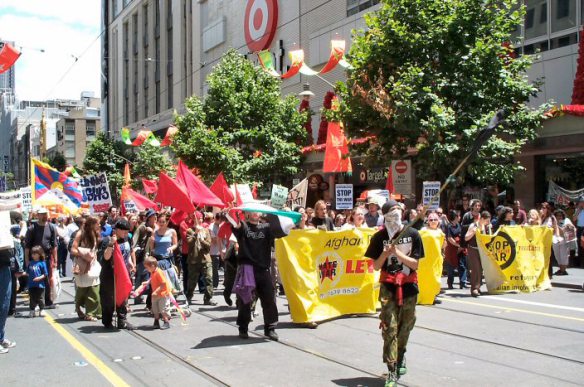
(260, 24)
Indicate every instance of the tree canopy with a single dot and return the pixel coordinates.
(242, 127)
(429, 74)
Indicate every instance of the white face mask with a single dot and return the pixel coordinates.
(393, 221)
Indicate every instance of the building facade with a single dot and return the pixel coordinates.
(159, 52)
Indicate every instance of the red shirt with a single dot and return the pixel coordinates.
(185, 225)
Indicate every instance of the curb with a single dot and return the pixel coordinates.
(567, 286)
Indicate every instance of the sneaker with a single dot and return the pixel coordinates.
(31, 314)
(8, 344)
(165, 325)
(391, 379)
(272, 335)
(3, 351)
(127, 326)
(401, 367)
(210, 302)
(41, 313)
(243, 334)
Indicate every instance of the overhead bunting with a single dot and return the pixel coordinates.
(147, 137)
(297, 61)
(8, 56)
(171, 131)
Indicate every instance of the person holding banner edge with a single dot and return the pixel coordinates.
(398, 261)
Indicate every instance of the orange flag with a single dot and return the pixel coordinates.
(127, 177)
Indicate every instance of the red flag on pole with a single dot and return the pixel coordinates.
(171, 194)
(389, 182)
(221, 189)
(8, 55)
(121, 277)
(198, 192)
(150, 186)
(133, 199)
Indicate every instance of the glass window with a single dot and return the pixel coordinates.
(563, 14)
(536, 19)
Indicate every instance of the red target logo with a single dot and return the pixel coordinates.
(261, 22)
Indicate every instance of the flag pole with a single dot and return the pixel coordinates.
(482, 137)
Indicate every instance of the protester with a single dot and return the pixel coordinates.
(86, 270)
(44, 234)
(320, 219)
(106, 228)
(339, 221)
(398, 261)
(255, 241)
(303, 223)
(199, 260)
(6, 254)
(107, 279)
(533, 218)
(37, 274)
(567, 234)
(61, 246)
(519, 215)
(16, 266)
(505, 218)
(356, 219)
(372, 218)
(480, 224)
(216, 246)
(161, 291)
(141, 247)
(578, 220)
(454, 255)
(549, 220)
(162, 245)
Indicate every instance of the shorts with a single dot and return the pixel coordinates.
(160, 305)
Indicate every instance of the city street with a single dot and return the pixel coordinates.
(516, 339)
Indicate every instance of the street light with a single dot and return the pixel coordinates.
(306, 94)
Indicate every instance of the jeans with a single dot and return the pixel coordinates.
(142, 275)
(5, 294)
(461, 271)
(62, 258)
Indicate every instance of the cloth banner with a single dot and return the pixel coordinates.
(325, 274)
(297, 195)
(430, 267)
(96, 192)
(516, 258)
(561, 196)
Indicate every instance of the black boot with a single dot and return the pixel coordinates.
(271, 334)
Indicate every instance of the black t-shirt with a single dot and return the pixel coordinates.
(328, 222)
(255, 244)
(44, 236)
(410, 244)
(453, 230)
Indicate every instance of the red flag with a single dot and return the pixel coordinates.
(150, 186)
(171, 194)
(170, 132)
(198, 192)
(178, 216)
(8, 55)
(389, 182)
(254, 191)
(121, 277)
(131, 198)
(221, 189)
(336, 154)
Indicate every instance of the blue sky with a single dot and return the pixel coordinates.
(65, 30)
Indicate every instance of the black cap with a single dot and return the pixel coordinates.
(388, 205)
(122, 224)
(150, 213)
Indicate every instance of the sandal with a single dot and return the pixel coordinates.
(89, 318)
(80, 314)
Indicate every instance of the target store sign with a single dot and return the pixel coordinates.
(260, 24)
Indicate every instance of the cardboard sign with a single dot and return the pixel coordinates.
(279, 196)
(96, 192)
(344, 196)
(6, 240)
(431, 188)
(26, 198)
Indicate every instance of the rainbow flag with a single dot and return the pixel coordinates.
(45, 178)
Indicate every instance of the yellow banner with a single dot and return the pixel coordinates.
(516, 258)
(325, 274)
(430, 267)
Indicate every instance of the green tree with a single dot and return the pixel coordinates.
(103, 155)
(148, 163)
(242, 127)
(58, 161)
(428, 74)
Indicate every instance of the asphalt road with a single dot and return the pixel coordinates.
(515, 339)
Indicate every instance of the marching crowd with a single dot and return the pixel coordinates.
(168, 256)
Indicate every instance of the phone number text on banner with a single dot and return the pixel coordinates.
(326, 275)
(96, 192)
(516, 258)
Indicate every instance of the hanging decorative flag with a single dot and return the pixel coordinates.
(267, 62)
(45, 178)
(337, 53)
(145, 137)
(8, 55)
(71, 171)
(336, 155)
(126, 136)
(296, 60)
(170, 132)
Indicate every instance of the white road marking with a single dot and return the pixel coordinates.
(515, 301)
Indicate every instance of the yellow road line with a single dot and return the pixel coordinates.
(515, 309)
(107, 372)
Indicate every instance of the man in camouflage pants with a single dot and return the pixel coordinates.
(396, 253)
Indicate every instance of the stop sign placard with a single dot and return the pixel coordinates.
(401, 167)
(260, 24)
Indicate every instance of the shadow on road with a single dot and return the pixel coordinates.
(361, 381)
(227, 341)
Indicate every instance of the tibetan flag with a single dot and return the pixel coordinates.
(8, 55)
(133, 201)
(221, 189)
(336, 155)
(198, 192)
(123, 284)
(126, 136)
(127, 178)
(170, 193)
(150, 186)
(45, 178)
(170, 132)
